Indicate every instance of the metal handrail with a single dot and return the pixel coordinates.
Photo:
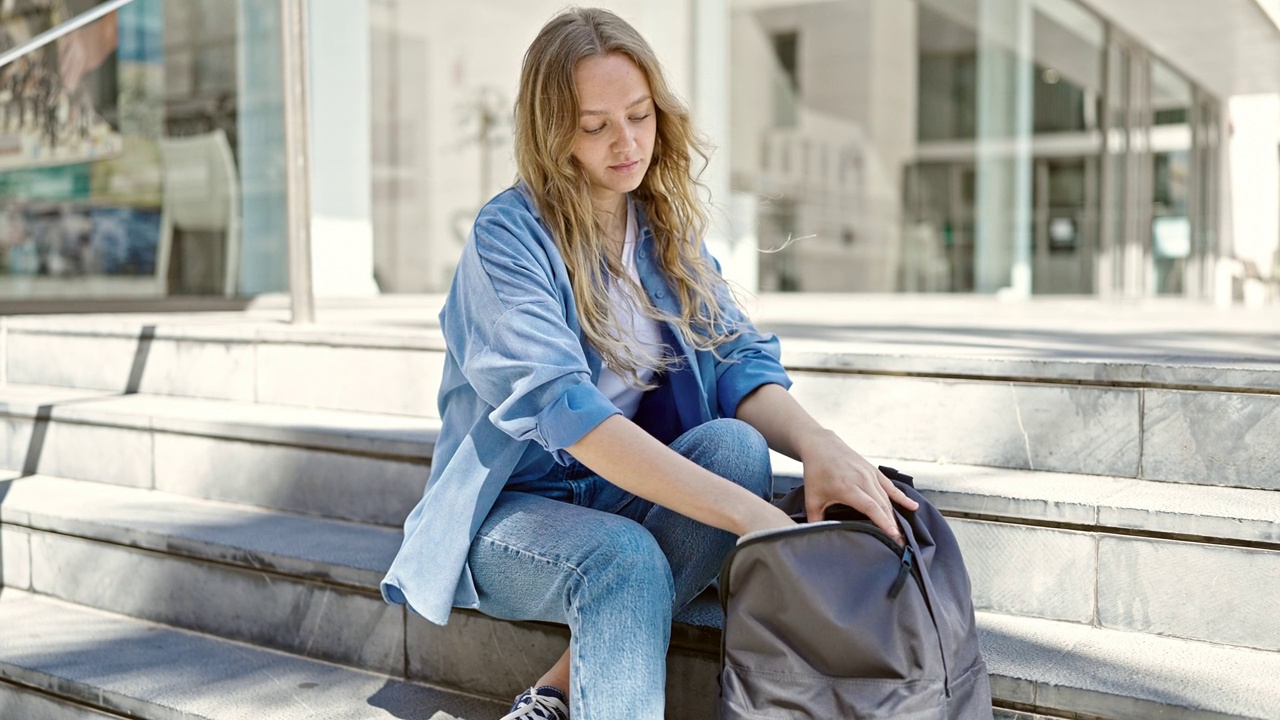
(294, 40)
(61, 30)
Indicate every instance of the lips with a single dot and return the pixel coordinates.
(625, 167)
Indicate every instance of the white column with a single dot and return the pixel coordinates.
(731, 236)
(341, 158)
(1255, 185)
(1002, 261)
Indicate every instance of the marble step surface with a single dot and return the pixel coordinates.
(369, 467)
(61, 660)
(106, 665)
(315, 580)
(300, 584)
(372, 467)
(1028, 535)
(1186, 418)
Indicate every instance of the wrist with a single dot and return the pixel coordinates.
(814, 442)
(759, 515)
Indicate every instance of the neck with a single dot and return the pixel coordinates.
(608, 203)
(611, 213)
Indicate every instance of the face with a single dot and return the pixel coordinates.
(616, 127)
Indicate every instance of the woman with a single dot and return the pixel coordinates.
(607, 408)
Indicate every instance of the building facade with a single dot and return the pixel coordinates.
(1017, 147)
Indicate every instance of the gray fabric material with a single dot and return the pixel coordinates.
(814, 628)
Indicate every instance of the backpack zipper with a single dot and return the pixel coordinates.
(905, 569)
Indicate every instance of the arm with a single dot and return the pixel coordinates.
(627, 456)
(833, 472)
(506, 326)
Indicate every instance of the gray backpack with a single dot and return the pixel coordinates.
(832, 620)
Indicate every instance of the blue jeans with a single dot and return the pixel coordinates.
(573, 548)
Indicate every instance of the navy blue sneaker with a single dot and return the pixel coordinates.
(544, 703)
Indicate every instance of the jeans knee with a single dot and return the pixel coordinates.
(631, 564)
(731, 449)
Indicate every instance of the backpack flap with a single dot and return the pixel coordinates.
(812, 632)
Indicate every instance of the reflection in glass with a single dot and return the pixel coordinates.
(119, 147)
(1171, 139)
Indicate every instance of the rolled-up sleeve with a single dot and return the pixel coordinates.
(750, 364)
(507, 325)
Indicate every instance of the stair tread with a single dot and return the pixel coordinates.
(1226, 513)
(153, 671)
(1045, 664)
(1215, 512)
(1059, 666)
(131, 665)
(818, 333)
(313, 547)
(351, 430)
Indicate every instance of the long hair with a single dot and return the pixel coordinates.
(546, 120)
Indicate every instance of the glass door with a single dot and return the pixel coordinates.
(1171, 143)
(1115, 161)
(1063, 225)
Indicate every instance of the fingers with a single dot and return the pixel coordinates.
(881, 515)
(896, 495)
(814, 510)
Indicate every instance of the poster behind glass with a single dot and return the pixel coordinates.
(80, 172)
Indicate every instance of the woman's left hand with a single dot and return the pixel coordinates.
(834, 474)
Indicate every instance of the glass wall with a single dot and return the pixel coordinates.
(134, 150)
(990, 146)
(993, 146)
(441, 117)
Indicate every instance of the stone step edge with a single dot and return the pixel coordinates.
(25, 701)
(356, 554)
(230, 330)
(1091, 503)
(351, 431)
(363, 551)
(1072, 500)
(1191, 373)
(1036, 666)
(168, 671)
(347, 555)
(343, 553)
(1055, 667)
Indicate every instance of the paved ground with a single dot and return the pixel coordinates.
(955, 325)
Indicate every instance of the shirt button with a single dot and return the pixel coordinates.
(660, 294)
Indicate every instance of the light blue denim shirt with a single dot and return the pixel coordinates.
(519, 387)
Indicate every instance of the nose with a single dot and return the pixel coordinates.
(624, 139)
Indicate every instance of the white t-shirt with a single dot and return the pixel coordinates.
(642, 333)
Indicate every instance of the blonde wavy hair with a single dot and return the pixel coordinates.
(546, 121)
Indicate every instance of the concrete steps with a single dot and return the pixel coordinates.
(247, 480)
(308, 585)
(305, 585)
(1097, 548)
(61, 660)
(1197, 420)
(352, 465)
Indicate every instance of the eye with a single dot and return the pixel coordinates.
(592, 131)
(640, 118)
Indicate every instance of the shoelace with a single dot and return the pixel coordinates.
(543, 707)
